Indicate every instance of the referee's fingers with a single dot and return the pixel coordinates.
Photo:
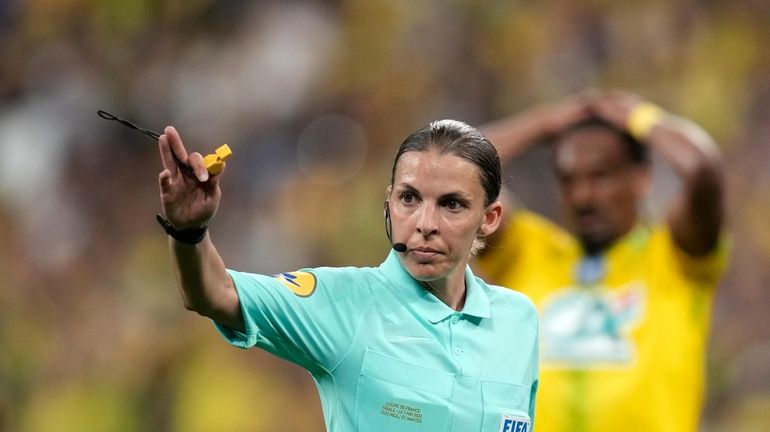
(169, 164)
(175, 142)
(164, 179)
(195, 161)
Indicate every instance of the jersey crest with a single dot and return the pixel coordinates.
(586, 326)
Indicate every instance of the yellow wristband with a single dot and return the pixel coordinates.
(644, 116)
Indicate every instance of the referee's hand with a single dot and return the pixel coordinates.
(188, 193)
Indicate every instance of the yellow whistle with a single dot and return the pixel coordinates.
(215, 161)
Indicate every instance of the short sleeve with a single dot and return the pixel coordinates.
(307, 317)
(704, 270)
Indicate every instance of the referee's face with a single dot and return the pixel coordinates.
(601, 187)
(437, 209)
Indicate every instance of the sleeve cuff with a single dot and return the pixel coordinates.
(241, 339)
(236, 338)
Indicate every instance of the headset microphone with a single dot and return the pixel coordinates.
(398, 247)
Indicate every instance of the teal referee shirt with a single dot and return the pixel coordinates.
(387, 355)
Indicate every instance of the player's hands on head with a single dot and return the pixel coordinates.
(615, 106)
(191, 197)
(557, 117)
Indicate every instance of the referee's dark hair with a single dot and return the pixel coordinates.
(457, 138)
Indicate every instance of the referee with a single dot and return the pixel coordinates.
(416, 344)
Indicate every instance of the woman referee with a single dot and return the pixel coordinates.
(416, 344)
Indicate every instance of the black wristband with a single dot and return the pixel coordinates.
(189, 236)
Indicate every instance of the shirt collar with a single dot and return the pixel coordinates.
(424, 302)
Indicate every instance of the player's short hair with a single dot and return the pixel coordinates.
(638, 153)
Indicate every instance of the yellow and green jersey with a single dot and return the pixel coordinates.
(623, 334)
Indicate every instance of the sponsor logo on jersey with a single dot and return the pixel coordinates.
(585, 327)
(300, 283)
(511, 423)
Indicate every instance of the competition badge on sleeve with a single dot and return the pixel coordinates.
(300, 283)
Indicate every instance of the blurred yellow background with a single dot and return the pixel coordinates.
(314, 98)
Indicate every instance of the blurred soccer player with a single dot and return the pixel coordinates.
(624, 302)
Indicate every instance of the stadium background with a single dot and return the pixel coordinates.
(314, 98)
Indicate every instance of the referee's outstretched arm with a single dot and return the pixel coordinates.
(190, 198)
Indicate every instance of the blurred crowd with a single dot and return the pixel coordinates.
(313, 97)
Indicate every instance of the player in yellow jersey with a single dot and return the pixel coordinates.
(624, 302)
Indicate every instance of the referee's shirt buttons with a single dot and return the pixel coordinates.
(458, 351)
(454, 319)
